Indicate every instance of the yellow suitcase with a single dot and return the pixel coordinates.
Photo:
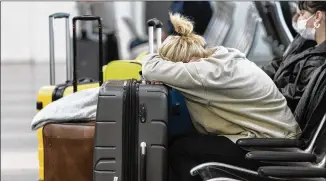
(123, 69)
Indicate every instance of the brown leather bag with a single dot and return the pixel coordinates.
(68, 151)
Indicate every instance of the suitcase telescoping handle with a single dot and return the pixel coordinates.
(158, 25)
(100, 64)
(68, 46)
(151, 23)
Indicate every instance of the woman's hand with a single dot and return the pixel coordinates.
(156, 83)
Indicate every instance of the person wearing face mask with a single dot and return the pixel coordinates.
(291, 72)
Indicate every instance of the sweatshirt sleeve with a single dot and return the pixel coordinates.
(177, 74)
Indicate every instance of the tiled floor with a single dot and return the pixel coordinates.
(19, 86)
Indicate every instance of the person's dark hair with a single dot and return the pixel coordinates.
(312, 6)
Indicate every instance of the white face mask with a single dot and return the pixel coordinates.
(301, 28)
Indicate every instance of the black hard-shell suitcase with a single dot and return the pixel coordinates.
(131, 130)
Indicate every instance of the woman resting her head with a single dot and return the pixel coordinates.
(225, 93)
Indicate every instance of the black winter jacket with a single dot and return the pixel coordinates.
(291, 73)
(311, 107)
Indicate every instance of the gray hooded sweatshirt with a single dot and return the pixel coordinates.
(227, 94)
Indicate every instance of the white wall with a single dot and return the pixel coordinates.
(139, 15)
(123, 9)
(24, 29)
(15, 26)
(40, 29)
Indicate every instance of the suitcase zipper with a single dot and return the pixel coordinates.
(125, 131)
(130, 132)
(134, 131)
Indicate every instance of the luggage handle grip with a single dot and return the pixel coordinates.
(152, 22)
(143, 161)
(59, 15)
(87, 18)
(51, 46)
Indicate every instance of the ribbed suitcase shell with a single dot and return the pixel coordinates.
(110, 152)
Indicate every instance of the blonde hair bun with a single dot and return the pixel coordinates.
(181, 24)
(187, 45)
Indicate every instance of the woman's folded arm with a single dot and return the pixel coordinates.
(178, 74)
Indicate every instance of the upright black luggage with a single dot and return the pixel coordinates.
(53, 92)
(131, 130)
(88, 42)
